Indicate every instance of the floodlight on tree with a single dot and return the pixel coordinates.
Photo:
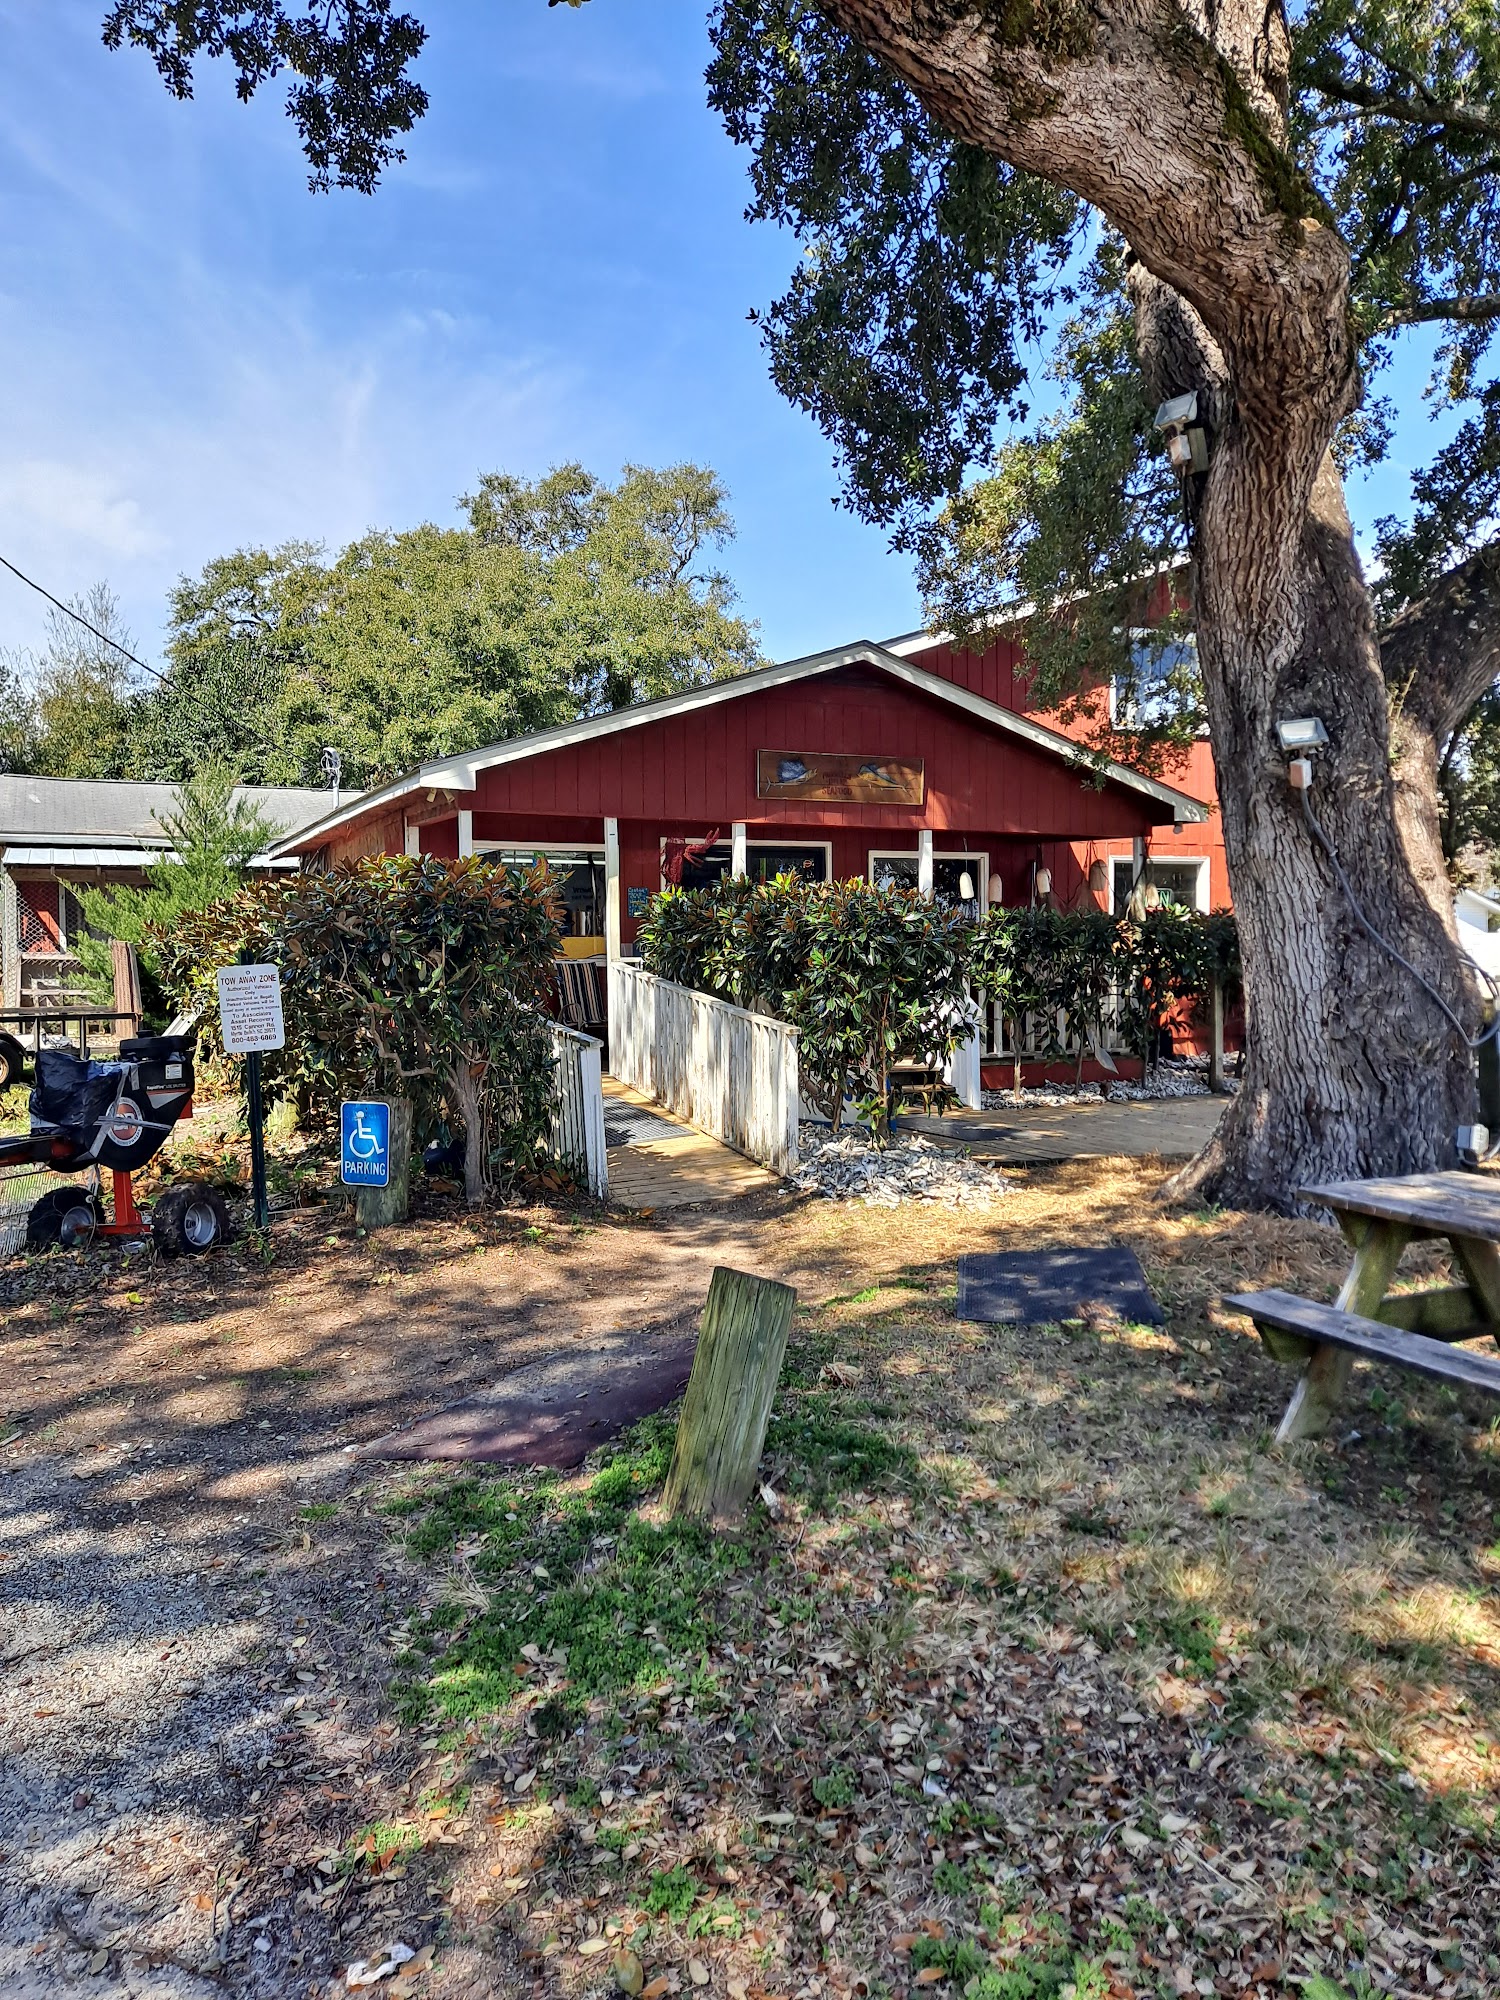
(1187, 442)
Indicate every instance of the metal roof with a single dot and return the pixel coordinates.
(87, 810)
(81, 857)
(460, 774)
(73, 858)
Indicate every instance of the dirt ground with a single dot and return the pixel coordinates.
(206, 1597)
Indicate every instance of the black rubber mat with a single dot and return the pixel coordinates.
(1026, 1287)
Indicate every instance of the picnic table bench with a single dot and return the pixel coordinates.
(1414, 1330)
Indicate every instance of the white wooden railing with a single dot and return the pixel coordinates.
(731, 1073)
(578, 1123)
(962, 1072)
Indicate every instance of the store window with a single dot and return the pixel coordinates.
(958, 880)
(764, 861)
(578, 876)
(1181, 884)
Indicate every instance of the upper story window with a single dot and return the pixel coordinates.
(1162, 685)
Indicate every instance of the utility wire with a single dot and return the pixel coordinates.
(79, 619)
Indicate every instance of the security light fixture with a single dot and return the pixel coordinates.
(1472, 1144)
(1301, 732)
(1187, 442)
(333, 766)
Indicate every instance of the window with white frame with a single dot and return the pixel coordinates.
(764, 861)
(959, 879)
(1181, 883)
(1162, 684)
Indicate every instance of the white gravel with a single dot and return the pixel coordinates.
(910, 1169)
(1188, 1079)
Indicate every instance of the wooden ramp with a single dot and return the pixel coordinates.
(677, 1166)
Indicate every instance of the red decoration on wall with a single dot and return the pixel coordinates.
(680, 851)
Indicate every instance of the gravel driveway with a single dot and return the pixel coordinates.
(199, 1595)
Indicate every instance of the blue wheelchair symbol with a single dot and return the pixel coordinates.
(365, 1134)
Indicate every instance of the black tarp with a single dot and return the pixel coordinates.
(72, 1096)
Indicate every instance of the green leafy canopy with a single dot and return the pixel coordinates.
(935, 284)
(555, 598)
(420, 977)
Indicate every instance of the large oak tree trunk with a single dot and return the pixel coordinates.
(1172, 121)
(1350, 1068)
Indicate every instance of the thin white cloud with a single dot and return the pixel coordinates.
(44, 500)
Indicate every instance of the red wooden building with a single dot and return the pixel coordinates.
(912, 761)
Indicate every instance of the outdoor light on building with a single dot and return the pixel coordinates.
(1044, 881)
(966, 887)
(997, 891)
(1187, 442)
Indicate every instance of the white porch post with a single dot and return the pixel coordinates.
(465, 834)
(611, 890)
(413, 840)
(738, 864)
(924, 861)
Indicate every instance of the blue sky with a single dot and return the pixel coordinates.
(198, 354)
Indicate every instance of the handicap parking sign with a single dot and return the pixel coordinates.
(365, 1144)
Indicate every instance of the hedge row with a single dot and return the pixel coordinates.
(876, 977)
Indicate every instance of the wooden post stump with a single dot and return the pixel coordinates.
(722, 1428)
(1216, 1037)
(377, 1207)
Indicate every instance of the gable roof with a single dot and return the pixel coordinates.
(460, 774)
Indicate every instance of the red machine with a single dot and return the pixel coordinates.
(88, 1116)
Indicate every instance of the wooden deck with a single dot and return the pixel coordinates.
(1175, 1128)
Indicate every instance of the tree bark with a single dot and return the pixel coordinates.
(469, 1102)
(1172, 123)
(1438, 658)
(378, 1207)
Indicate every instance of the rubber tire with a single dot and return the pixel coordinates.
(189, 1221)
(12, 1062)
(44, 1225)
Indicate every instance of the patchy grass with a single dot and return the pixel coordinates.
(550, 1570)
(1046, 1681)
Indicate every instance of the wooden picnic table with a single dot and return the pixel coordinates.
(1415, 1330)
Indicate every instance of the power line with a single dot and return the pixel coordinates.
(79, 619)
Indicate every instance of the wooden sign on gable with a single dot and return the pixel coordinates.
(830, 777)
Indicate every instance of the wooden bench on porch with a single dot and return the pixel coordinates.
(1414, 1330)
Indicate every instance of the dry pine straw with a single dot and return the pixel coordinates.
(1092, 1695)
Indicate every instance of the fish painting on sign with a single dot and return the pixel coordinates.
(829, 777)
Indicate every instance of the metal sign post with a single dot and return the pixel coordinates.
(251, 1021)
